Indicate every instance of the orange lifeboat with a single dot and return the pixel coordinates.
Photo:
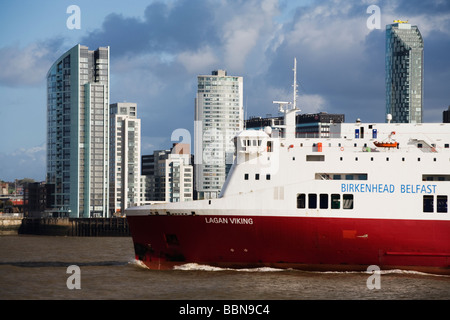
(386, 144)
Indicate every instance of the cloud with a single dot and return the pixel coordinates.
(202, 59)
(28, 66)
(245, 28)
(26, 162)
(171, 28)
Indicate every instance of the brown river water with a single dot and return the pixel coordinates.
(36, 267)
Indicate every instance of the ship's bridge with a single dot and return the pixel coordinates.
(251, 142)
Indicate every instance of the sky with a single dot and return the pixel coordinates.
(158, 48)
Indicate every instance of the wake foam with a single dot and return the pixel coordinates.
(138, 263)
(201, 267)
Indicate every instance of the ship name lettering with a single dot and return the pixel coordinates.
(218, 220)
(241, 220)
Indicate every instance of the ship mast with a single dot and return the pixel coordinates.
(289, 113)
(295, 84)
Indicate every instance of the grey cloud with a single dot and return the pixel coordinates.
(185, 25)
(27, 66)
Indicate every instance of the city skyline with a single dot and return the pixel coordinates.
(158, 49)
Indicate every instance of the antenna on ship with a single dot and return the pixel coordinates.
(295, 84)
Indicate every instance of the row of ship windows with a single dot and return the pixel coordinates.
(322, 158)
(387, 159)
(257, 176)
(365, 146)
(357, 176)
(324, 201)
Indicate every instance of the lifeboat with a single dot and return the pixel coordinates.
(386, 144)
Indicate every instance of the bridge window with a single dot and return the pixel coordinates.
(323, 201)
(312, 201)
(347, 201)
(315, 158)
(335, 201)
(428, 203)
(442, 204)
(301, 201)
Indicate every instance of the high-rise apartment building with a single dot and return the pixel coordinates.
(404, 73)
(78, 131)
(219, 116)
(169, 174)
(124, 157)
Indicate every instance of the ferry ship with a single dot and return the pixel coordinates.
(367, 194)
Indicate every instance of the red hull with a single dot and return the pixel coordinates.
(162, 242)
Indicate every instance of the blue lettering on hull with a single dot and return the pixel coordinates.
(388, 188)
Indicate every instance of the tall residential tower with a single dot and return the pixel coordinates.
(404, 72)
(78, 131)
(125, 157)
(218, 118)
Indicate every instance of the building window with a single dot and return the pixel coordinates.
(257, 176)
(246, 176)
(268, 176)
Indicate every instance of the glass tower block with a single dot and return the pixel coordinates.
(404, 73)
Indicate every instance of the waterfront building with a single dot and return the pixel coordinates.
(446, 115)
(404, 73)
(124, 159)
(219, 117)
(78, 132)
(169, 175)
(37, 197)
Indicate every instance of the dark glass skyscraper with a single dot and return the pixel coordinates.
(78, 131)
(404, 72)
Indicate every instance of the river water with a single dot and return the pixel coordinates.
(36, 267)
